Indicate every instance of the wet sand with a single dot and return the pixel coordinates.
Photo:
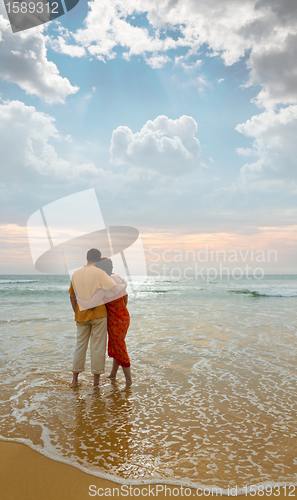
(25, 474)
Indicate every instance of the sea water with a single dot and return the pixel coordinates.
(214, 368)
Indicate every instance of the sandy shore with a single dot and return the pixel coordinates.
(28, 475)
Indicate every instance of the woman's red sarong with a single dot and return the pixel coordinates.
(118, 321)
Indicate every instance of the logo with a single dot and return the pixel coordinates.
(61, 233)
(25, 14)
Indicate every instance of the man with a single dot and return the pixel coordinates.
(91, 323)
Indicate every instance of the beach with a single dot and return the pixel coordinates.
(28, 475)
(214, 392)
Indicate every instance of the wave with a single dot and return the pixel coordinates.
(5, 282)
(186, 483)
(10, 291)
(26, 320)
(266, 293)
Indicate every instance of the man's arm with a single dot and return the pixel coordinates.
(99, 295)
(119, 288)
(73, 302)
(111, 283)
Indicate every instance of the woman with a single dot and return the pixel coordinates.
(118, 321)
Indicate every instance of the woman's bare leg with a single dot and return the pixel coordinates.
(115, 367)
(126, 370)
(127, 373)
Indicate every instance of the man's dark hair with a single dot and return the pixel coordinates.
(93, 255)
(106, 265)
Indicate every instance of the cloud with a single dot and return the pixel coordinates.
(157, 61)
(185, 64)
(27, 155)
(285, 10)
(89, 95)
(108, 25)
(274, 148)
(59, 45)
(266, 187)
(23, 60)
(33, 169)
(265, 29)
(168, 147)
(273, 66)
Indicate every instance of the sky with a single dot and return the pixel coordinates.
(182, 115)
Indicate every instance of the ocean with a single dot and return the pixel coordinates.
(213, 401)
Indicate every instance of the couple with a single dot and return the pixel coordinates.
(90, 286)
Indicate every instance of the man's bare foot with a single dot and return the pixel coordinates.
(96, 380)
(74, 382)
(111, 376)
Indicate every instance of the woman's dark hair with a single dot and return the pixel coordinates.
(93, 255)
(105, 264)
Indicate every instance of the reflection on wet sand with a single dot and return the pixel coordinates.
(102, 427)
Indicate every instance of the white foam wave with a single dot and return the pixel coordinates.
(157, 480)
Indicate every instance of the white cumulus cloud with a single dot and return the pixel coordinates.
(168, 147)
(28, 154)
(23, 60)
(157, 61)
(274, 149)
(60, 45)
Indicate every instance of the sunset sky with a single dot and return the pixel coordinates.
(182, 115)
